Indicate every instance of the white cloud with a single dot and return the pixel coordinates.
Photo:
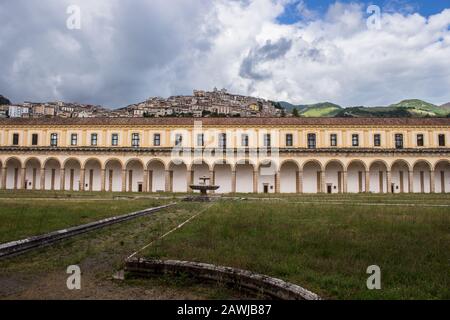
(127, 51)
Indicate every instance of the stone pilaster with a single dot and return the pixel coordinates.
(3, 181)
(42, 173)
(389, 181)
(62, 179)
(410, 181)
(432, 182)
(82, 179)
(367, 182)
(323, 187)
(23, 179)
(124, 180)
(344, 181)
(103, 179)
(277, 182)
(255, 181)
(299, 181)
(233, 181)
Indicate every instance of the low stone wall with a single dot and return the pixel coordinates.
(20, 246)
(250, 281)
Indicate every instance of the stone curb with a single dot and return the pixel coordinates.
(21, 246)
(253, 282)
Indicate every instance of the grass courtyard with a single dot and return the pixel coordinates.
(323, 243)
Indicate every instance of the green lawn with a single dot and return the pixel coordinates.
(326, 247)
(20, 218)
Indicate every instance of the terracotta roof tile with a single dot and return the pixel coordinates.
(226, 121)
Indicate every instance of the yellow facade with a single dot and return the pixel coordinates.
(306, 155)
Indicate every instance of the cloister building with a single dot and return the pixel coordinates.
(244, 155)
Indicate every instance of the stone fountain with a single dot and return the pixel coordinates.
(203, 187)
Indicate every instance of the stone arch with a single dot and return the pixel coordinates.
(32, 173)
(356, 176)
(91, 160)
(199, 162)
(400, 176)
(72, 172)
(223, 176)
(13, 177)
(442, 176)
(92, 174)
(245, 176)
(334, 177)
(52, 174)
(312, 176)
(422, 176)
(289, 176)
(378, 176)
(199, 169)
(267, 176)
(156, 175)
(177, 180)
(134, 175)
(113, 175)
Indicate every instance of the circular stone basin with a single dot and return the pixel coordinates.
(203, 188)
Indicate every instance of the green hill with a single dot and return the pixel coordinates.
(4, 100)
(421, 108)
(413, 108)
(325, 109)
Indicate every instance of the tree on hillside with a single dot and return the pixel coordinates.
(295, 112)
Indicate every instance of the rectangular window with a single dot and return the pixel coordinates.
(377, 140)
(74, 139)
(244, 139)
(333, 140)
(289, 140)
(178, 140)
(267, 140)
(34, 139)
(54, 140)
(441, 139)
(420, 140)
(135, 140)
(94, 139)
(15, 141)
(200, 140)
(157, 140)
(399, 141)
(355, 140)
(223, 140)
(311, 140)
(115, 139)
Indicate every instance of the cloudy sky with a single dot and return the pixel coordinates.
(299, 51)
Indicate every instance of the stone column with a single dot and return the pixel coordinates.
(432, 184)
(3, 186)
(233, 181)
(344, 181)
(145, 182)
(323, 186)
(255, 181)
(150, 181)
(124, 180)
(23, 178)
(189, 179)
(277, 182)
(389, 181)
(410, 181)
(367, 182)
(212, 177)
(62, 179)
(103, 179)
(82, 179)
(167, 181)
(299, 181)
(42, 182)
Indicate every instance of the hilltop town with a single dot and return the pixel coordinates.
(216, 103)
